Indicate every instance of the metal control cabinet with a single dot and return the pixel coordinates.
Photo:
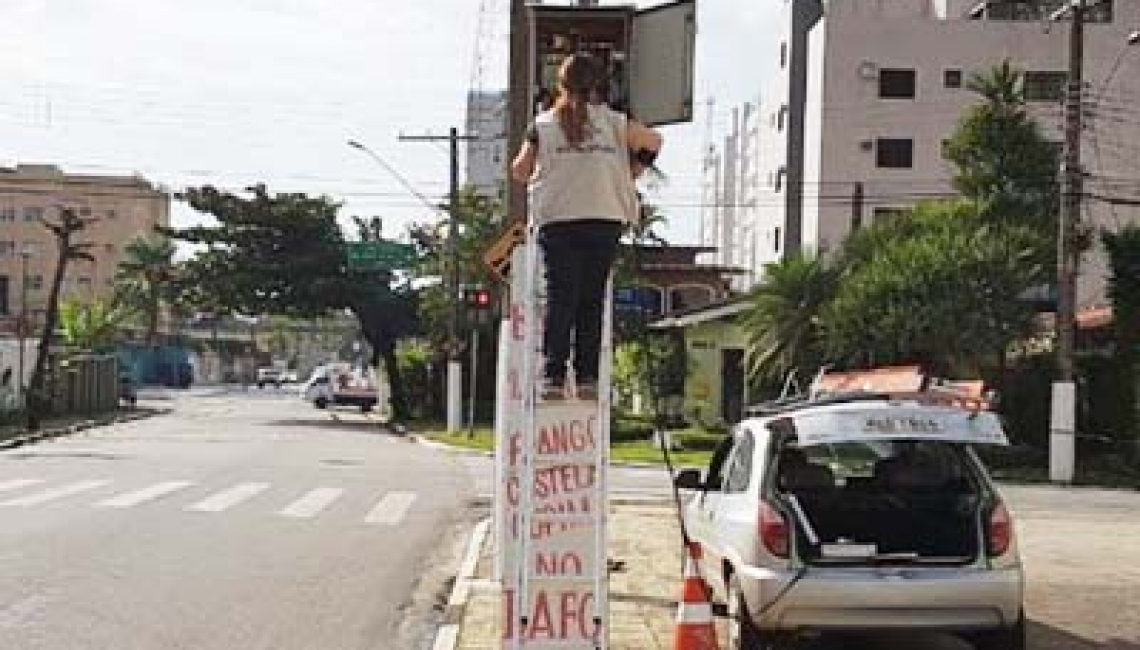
(648, 53)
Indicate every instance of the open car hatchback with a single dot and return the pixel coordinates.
(859, 514)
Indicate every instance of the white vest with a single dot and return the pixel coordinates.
(591, 181)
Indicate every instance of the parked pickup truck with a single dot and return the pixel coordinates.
(339, 384)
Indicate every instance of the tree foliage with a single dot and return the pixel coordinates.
(1124, 289)
(942, 289)
(145, 279)
(478, 226)
(784, 323)
(285, 254)
(1002, 159)
(89, 327)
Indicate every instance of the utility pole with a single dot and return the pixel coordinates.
(1062, 420)
(518, 105)
(454, 368)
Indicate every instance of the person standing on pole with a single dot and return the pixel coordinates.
(579, 161)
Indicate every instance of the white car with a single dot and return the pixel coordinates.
(858, 513)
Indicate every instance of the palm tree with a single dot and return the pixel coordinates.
(784, 324)
(1002, 86)
(145, 275)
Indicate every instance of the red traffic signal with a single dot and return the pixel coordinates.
(477, 298)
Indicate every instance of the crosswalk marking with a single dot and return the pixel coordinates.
(229, 498)
(391, 509)
(312, 503)
(57, 493)
(146, 494)
(16, 484)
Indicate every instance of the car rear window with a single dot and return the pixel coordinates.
(907, 465)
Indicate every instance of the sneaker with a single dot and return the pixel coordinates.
(587, 391)
(551, 391)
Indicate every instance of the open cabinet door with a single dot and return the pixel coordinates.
(664, 49)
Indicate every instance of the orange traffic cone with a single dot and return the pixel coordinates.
(695, 628)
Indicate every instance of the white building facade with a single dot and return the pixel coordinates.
(852, 127)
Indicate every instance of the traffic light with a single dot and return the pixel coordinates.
(477, 303)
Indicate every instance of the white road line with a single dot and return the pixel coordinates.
(391, 509)
(56, 493)
(312, 503)
(229, 498)
(16, 484)
(146, 494)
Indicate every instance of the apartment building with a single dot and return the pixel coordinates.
(121, 208)
(852, 127)
(730, 206)
(486, 164)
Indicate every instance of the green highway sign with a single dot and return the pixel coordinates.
(380, 255)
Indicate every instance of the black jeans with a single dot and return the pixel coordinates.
(578, 256)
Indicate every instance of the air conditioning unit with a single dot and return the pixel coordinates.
(868, 71)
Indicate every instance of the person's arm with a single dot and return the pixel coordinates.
(644, 144)
(522, 167)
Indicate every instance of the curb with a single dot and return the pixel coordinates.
(443, 446)
(48, 434)
(447, 637)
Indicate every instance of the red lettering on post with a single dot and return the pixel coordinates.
(515, 446)
(540, 622)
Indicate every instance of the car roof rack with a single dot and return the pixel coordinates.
(790, 404)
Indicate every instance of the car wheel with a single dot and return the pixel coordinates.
(1006, 638)
(742, 631)
(321, 403)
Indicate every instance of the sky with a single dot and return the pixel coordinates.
(235, 92)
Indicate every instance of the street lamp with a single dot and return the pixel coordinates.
(454, 369)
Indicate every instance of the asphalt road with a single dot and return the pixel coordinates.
(239, 521)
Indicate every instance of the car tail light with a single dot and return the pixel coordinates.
(774, 531)
(999, 531)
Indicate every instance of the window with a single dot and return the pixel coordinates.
(778, 182)
(894, 153)
(776, 239)
(856, 219)
(781, 118)
(33, 214)
(1045, 86)
(35, 282)
(783, 55)
(740, 465)
(111, 214)
(7, 248)
(886, 214)
(896, 84)
(7, 214)
(1021, 10)
(952, 78)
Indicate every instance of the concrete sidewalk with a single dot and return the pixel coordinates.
(646, 540)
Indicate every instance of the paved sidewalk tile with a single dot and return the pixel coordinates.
(643, 594)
